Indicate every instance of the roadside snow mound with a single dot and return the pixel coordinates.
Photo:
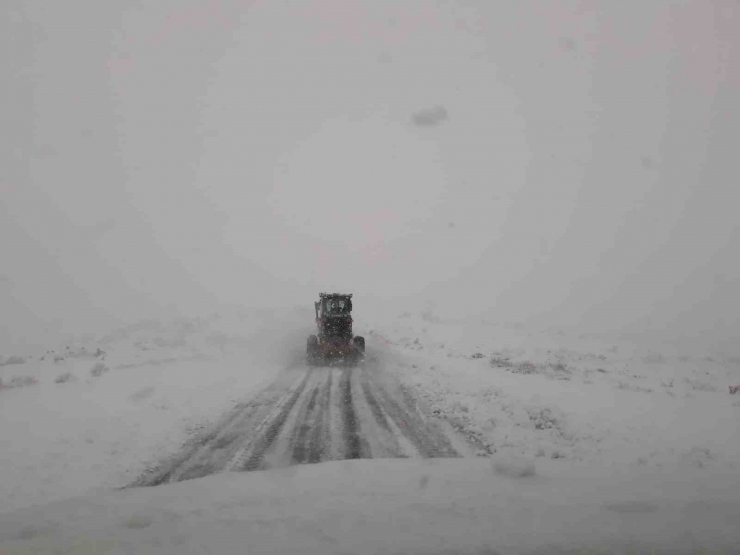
(396, 506)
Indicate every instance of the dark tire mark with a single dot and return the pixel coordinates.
(216, 454)
(303, 429)
(195, 471)
(428, 443)
(165, 471)
(226, 440)
(353, 446)
(265, 441)
(299, 419)
(372, 402)
(320, 432)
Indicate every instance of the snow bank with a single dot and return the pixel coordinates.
(395, 506)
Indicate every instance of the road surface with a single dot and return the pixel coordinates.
(310, 415)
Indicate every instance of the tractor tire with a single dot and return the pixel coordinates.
(360, 343)
(312, 350)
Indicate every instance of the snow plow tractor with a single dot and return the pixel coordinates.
(334, 343)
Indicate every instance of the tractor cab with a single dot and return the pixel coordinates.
(333, 316)
(333, 306)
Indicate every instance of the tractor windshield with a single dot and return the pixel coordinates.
(337, 306)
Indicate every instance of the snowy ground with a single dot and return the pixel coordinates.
(571, 397)
(639, 441)
(73, 422)
(400, 506)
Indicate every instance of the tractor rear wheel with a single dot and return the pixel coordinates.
(312, 350)
(360, 343)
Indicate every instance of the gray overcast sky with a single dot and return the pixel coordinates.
(170, 155)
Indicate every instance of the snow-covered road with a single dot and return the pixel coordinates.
(311, 415)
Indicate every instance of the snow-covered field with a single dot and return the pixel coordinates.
(572, 397)
(638, 441)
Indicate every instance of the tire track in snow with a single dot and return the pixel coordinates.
(320, 434)
(394, 442)
(273, 424)
(352, 443)
(303, 429)
(314, 415)
(372, 402)
(252, 428)
(430, 443)
(201, 455)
